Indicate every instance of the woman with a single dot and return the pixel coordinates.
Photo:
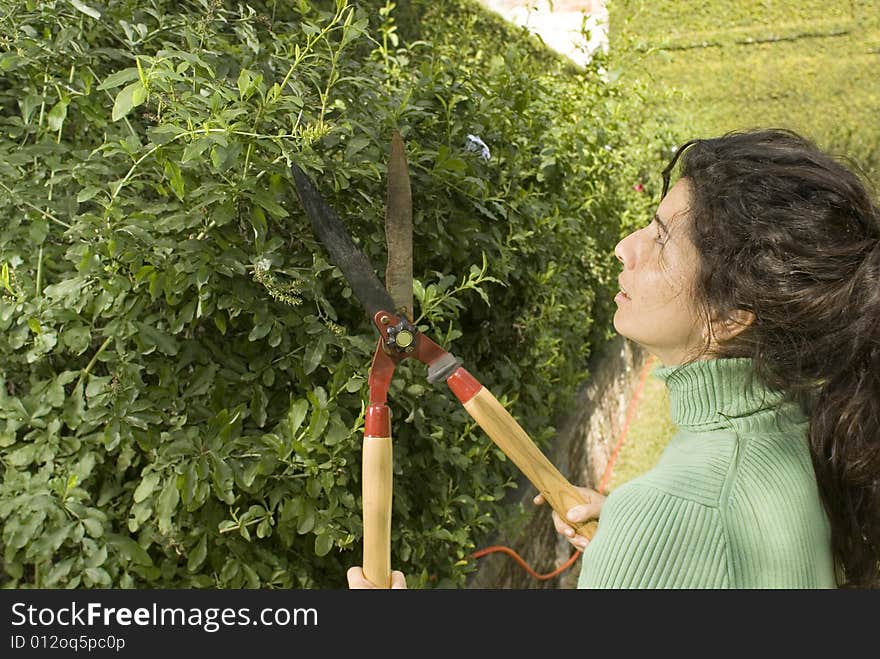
(757, 286)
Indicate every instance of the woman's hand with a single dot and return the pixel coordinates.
(590, 509)
(357, 580)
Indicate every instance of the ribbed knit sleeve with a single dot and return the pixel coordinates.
(651, 539)
(777, 532)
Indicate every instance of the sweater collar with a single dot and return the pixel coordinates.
(711, 394)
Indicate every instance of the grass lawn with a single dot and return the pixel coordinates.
(718, 66)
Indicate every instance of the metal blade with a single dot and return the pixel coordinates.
(398, 230)
(344, 254)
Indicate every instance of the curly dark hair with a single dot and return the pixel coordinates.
(790, 233)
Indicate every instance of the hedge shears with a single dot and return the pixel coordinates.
(391, 309)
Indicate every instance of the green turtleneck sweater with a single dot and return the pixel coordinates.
(732, 502)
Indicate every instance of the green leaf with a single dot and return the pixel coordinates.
(244, 81)
(130, 97)
(119, 78)
(323, 544)
(336, 432)
(22, 532)
(198, 554)
(146, 486)
(38, 230)
(175, 178)
(267, 201)
(66, 289)
(74, 406)
(49, 541)
(194, 149)
(87, 193)
(296, 415)
(21, 457)
(129, 549)
(201, 381)
(313, 488)
(258, 406)
(93, 527)
(97, 385)
(354, 384)
(356, 144)
(84, 8)
(248, 84)
(57, 115)
(313, 355)
(76, 338)
(225, 157)
(227, 525)
(167, 505)
(164, 134)
(306, 520)
(251, 472)
(96, 558)
(318, 422)
(223, 480)
(151, 338)
(5, 280)
(261, 329)
(59, 571)
(97, 576)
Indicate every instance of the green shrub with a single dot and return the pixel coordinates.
(184, 373)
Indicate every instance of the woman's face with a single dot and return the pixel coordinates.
(655, 306)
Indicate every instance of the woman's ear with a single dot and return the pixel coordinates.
(738, 320)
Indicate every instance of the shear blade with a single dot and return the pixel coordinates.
(344, 254)
(398, 230)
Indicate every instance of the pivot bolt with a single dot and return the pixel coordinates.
(402, 336)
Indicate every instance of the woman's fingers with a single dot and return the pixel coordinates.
(398, 580)
(357, 580)
(588, 510)
(583, 512)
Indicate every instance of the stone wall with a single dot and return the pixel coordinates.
(581, 452)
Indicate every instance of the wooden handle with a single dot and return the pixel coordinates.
(376, 490)
(507, 434)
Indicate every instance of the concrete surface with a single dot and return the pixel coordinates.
(575, 28)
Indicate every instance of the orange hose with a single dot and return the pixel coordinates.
(602, 488)
(507, 550)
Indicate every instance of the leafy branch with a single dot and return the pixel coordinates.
(439, 300)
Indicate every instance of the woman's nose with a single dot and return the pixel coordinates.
(623, 251)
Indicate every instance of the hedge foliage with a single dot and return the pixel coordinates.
(183, 372)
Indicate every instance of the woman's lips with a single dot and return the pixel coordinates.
(621, 295)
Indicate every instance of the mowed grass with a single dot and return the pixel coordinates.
(716, 66)
(719, 66)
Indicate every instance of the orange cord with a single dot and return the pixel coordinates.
(541, 577)
(602, 488)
